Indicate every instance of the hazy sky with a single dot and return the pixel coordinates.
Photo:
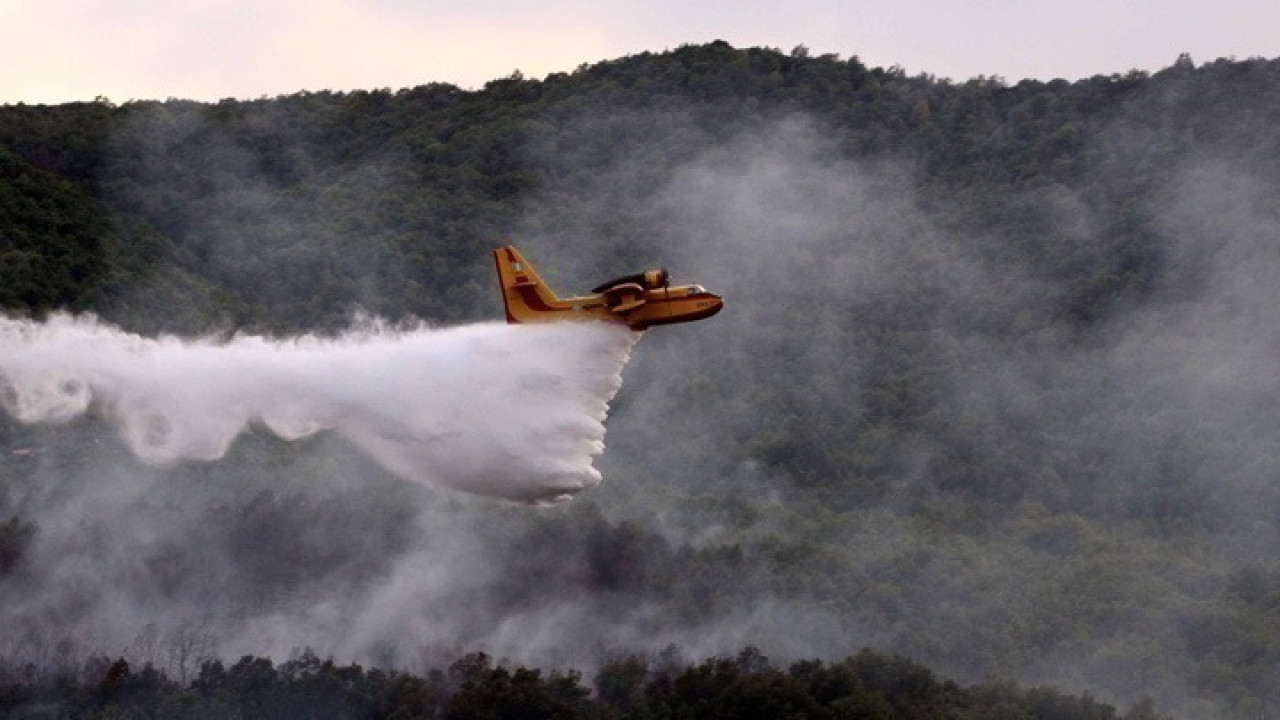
(61, 50)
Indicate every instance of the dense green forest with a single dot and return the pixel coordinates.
(994, 389)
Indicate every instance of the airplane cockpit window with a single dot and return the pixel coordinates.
(696, 289)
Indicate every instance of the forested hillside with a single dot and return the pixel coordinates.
(994, 388)
(747, 685)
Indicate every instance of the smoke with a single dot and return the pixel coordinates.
(1009, 421)
(514, 412)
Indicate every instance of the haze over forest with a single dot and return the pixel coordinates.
(994, 388)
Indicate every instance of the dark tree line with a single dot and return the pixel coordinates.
(868, 685)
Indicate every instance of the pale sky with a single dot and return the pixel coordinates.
(54, 51)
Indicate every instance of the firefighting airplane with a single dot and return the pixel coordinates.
(638, 301)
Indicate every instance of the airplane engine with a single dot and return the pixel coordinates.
(655, 279)
(648, 280)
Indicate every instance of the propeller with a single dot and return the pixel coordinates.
(666, 288)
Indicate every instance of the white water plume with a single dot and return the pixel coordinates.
(515, 412)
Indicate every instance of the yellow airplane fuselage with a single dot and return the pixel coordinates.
(639, 302)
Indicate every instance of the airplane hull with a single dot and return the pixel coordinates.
(527, 298)
(685, 313)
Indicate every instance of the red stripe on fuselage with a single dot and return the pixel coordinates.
(533, 300)
(506, 307)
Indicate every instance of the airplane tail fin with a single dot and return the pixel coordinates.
(524, 293)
